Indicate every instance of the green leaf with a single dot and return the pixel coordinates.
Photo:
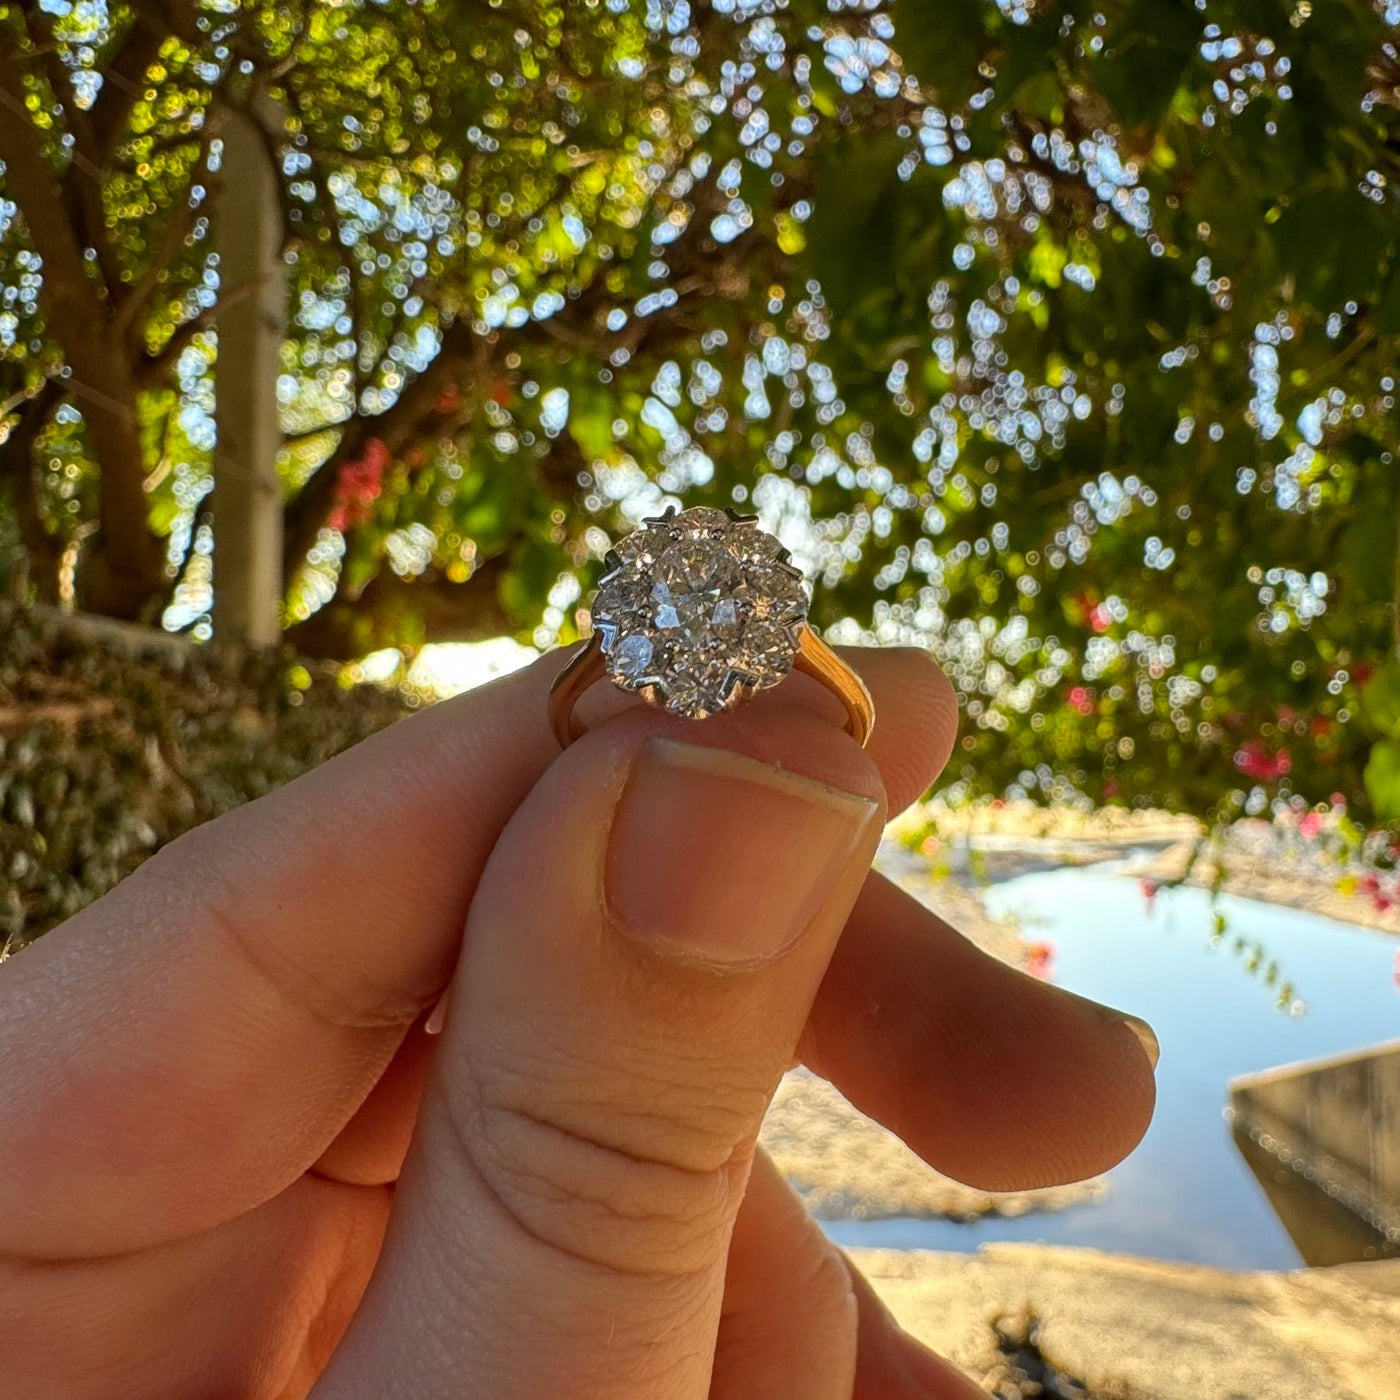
(1380, 700)
(1335, 242)
(942, 44)
(1141, 70)
(1383, 779)
(1387, 315)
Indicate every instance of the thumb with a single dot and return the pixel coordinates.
(642, 952)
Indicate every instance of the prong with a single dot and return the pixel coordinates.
(735, 689)
(740, 519)
(612, 562)
(665, 518)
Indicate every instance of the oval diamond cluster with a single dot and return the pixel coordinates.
(695, 605)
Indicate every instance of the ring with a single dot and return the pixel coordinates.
(696, 612)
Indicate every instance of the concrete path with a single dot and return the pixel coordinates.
(1156, 1331)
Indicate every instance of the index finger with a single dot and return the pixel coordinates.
(185, 1048)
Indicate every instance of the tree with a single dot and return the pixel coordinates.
(1061, 340)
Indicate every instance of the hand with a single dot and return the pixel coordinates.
(235, 1166)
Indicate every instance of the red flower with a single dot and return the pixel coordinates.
(1255, 762)
(1311, 825)
(357, 486)
(1361, 674)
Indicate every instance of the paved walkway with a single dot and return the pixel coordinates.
(1157, 1331)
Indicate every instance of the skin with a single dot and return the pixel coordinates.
(236, 1166)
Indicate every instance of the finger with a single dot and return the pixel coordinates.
(916, 727)
(993, 1077)
(186, 1047)
(996, 1078)
(892, 1365)
(183, 1049)
(640, 957)
(800, 1322)
(251, 1308)
(787, 1328)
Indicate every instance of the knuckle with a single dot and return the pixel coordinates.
(619, 1201)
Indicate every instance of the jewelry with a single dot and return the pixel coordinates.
(696, 612)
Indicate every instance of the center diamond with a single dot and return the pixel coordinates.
(695, 606)
(694, 592)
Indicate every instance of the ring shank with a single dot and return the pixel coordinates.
(814, 658)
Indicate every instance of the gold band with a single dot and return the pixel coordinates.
(814, 658)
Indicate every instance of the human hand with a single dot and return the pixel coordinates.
(212, 1076)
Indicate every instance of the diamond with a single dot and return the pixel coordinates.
(695, 607)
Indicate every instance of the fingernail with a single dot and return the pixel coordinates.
(723, 858)
(1142, 1032)
(437, 1017)
(1147, 1037)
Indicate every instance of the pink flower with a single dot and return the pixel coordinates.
(1081, 699)
(358, 485)
(1255, 762)
(1311, 825)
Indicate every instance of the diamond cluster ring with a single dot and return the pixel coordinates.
(696, 612)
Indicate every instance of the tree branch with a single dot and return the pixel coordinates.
(394, 611)
(133, 302)
(396, 427)
(129, 570)
(42, 550)
(82, 180)
(123, 81)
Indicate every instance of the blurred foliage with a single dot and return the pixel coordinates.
(1057, 339)
(110, 747)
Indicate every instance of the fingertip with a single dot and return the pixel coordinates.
(995, 1078)
(916, 717)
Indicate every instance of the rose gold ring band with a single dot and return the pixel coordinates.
(814, 658)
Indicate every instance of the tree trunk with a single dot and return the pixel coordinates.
(247, 501)
(124, 567)
(41, 549)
